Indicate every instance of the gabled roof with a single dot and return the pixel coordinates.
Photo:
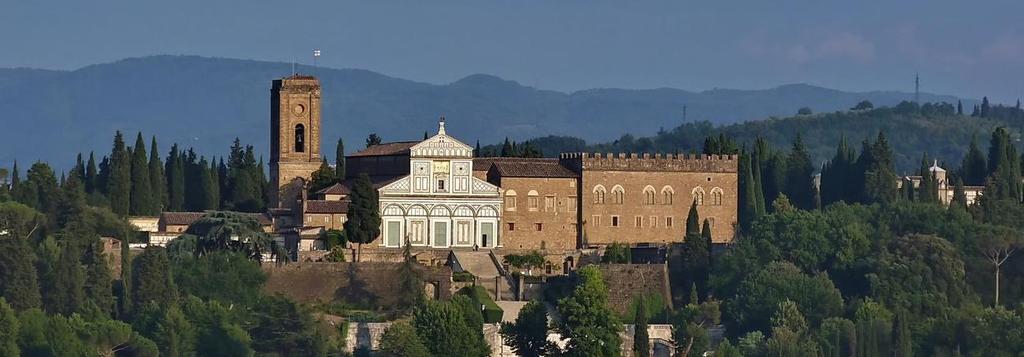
(532, 168)
(335, 189)
(187, 218)
(329, 207)
(386, 149)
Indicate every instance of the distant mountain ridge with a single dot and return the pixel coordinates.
(207, 102)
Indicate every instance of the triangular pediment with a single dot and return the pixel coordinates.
(442, 146)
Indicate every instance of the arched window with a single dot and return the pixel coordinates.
(698, 195)
(300, 138)
(533, 200)
(510, 200)
(617, 194)
(716, 196)
(649, 195)
(599, 193)
(666, 195)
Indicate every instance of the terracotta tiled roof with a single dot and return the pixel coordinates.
(335, 189)
(318, 206)
(187, 218)
(386, 149)
(484, 163)
(532, 168)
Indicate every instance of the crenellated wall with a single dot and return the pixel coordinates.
(650, 162)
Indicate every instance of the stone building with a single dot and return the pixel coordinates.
(435, 194)
(945, 188)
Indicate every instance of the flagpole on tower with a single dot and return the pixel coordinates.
(316, 55)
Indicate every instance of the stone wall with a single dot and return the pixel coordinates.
(626, 282)
(311, 282)
(526, 227)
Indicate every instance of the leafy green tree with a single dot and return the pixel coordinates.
(876, 163)
(697, 252)
(363, 218)
(974, 169)
(587, 321)
(224, 276)
(726, 349)
(837, 337)
(874, 334)
(804, 111)
(375, 139)
(959, 201)
(157, 180)
(63, 288)
(641, 342)
(226, 231)
(863, 105)
(527, 335)
(323, 177)
(18, 277)
(142, 199)
(97, 288)
(283, 328)
(245, 180)
(410, 280)
(8, 330)
(175, 335)
(39, 190)
(616, 253)
(339, 160)
(119, 180)
(920, 274)
(445, 321)
(152, 281)
(690, 327)
(761, 292)
(789, 329)
(219, 329)
(400, 340)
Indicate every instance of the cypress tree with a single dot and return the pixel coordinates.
(97, 288)
(91, 174)
(959, 108)
(879, 176)
(79, 170)
(986, 108)
(119, 182)
(222, 176)
(214, 174)
(142, 200)
(65, 292)
(748, 204)
(175, 173)
(799, 184)
(9, 326)
(15, 179)
(927, 191)
(322, 177)
(339, 160)
(973, 167)
(103, 178)
(476, 150)
(760, 207)
(19, 283)
(206, 195)
(959, 200)
(151, 278)
(363, 223)
(641, 340)
(157, 180)
(902, 343)
(506, 148)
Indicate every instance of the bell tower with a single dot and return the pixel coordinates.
(294, 136)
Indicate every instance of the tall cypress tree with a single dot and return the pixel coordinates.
(799, 184)
(959, 108)
(214, 174)
(175, 172)
(973, 168)
(759, 203)
(641, 340)
(339, 160)
(15, 179)
(91, 174)
(836, 176)
(363, 223)
(959, 200)
(142, 200)
(119, 182)
(222, 176)
(79, 170)
(19, 282)
(879, 176)
(157, 180)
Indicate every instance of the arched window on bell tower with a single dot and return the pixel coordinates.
(300, 138)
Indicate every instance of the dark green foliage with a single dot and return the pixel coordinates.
(119, 177)
(410, 283)
(973, 168)
(690, 327)
(18, 278)
(616, 253)
(339, 160)
(697, 252)
(39, 189)
(157, 180)
(245, 180)
(219, 329)
(920, 274)
(588, 322)
(804, 111)
(97, 288)
(837, 337)
(401, 340)
(374, 139)
(641, 342)
(720, 145)
(226, 231)
(524, 261)
(527, 335)
(152, 281)
(142, 202)
(283, 328)
(8, 330)
(363, 223)
(761, 292)
(175, 171)
(445, 321)
(490, 310)
(863, 105)
(224, 276)
(322, 178)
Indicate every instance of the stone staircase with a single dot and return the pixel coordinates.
(484, 266)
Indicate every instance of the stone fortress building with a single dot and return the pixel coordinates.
(435, 194)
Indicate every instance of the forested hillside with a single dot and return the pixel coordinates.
(207, 102)
(936, 129)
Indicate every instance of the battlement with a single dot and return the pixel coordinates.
(650, 162)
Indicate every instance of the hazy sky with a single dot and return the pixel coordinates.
(968, 48)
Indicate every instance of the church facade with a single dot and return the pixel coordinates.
(434, 194)
(439, 203)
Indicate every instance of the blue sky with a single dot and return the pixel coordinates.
(962, 48)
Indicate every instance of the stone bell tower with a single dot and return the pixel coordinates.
(294, 136)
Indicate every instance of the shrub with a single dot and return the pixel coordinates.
(492, 313)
